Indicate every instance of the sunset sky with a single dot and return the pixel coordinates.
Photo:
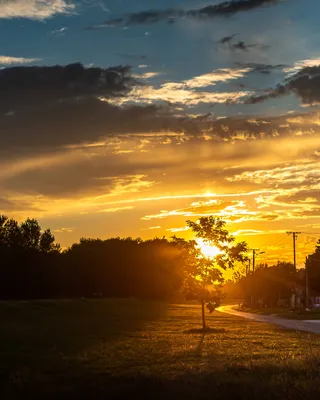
(194, 108)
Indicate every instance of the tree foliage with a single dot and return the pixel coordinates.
(313, 266)
(33, 266)
(267, 285)
(26, 236)
(203, 276)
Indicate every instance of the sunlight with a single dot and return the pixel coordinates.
(206, 249)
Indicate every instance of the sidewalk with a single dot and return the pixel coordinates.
(308, 326)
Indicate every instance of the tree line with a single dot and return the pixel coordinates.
(33, 265)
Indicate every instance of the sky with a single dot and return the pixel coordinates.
(126, 118)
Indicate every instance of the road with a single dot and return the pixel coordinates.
(312, 327)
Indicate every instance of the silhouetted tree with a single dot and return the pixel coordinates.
(28, 260)
(313, 268)
(203, 275)
(126, 267)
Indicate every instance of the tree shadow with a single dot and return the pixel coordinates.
(206, 331)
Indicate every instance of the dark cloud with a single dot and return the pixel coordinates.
(261, 67)
(241, 45)
(58, 83)
(305, 84)
(37, 103)
(279, 91)
(227, 42)
(225, 9)
(7, 205)
(235, 6)
(51, 107)
(87, 176)
(76, 121)
(227, 39)
(48, 108)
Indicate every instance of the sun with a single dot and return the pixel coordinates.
(207, 250)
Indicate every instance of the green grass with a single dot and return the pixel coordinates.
(299, 314)
(127, 349)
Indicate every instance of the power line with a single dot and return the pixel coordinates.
(277, 242)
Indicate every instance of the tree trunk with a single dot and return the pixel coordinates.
(203, 315)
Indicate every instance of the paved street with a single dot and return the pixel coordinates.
(312, 327)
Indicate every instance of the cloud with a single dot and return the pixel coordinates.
(63, 230)
(224, 9)
(184, 92)
(62, 82)
(262, 68)
(212, 78)
(304, 196)
(200, 209)
(227, 39)
(299, 65)
(42, 99)
(234, 6)
(53, 124)
(147, 75)
(10, 205)
(175, 230)
(287, 175)
(60, 32)
(173, 93)
(305, 84)
(254, 232)
(61, 139)
(233, 211)
(279, 91)
(241, 45)
(8, 60)
(227, 42)
(156, 176)
(35, 9)
(151, 228)
(116, 209)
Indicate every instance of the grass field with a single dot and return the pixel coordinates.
(299, 314)
(127, 349)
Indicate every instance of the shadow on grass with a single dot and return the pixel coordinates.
(262, 382)
(206, 331)
(46, 333)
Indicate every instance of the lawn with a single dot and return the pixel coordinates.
(129, 349)
(299, 314)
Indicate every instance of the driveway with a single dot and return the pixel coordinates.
(313, 327)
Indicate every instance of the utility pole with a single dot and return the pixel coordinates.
(307, 285)
(255, 253)
(294, 237)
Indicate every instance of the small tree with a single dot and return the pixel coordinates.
(204, 275)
